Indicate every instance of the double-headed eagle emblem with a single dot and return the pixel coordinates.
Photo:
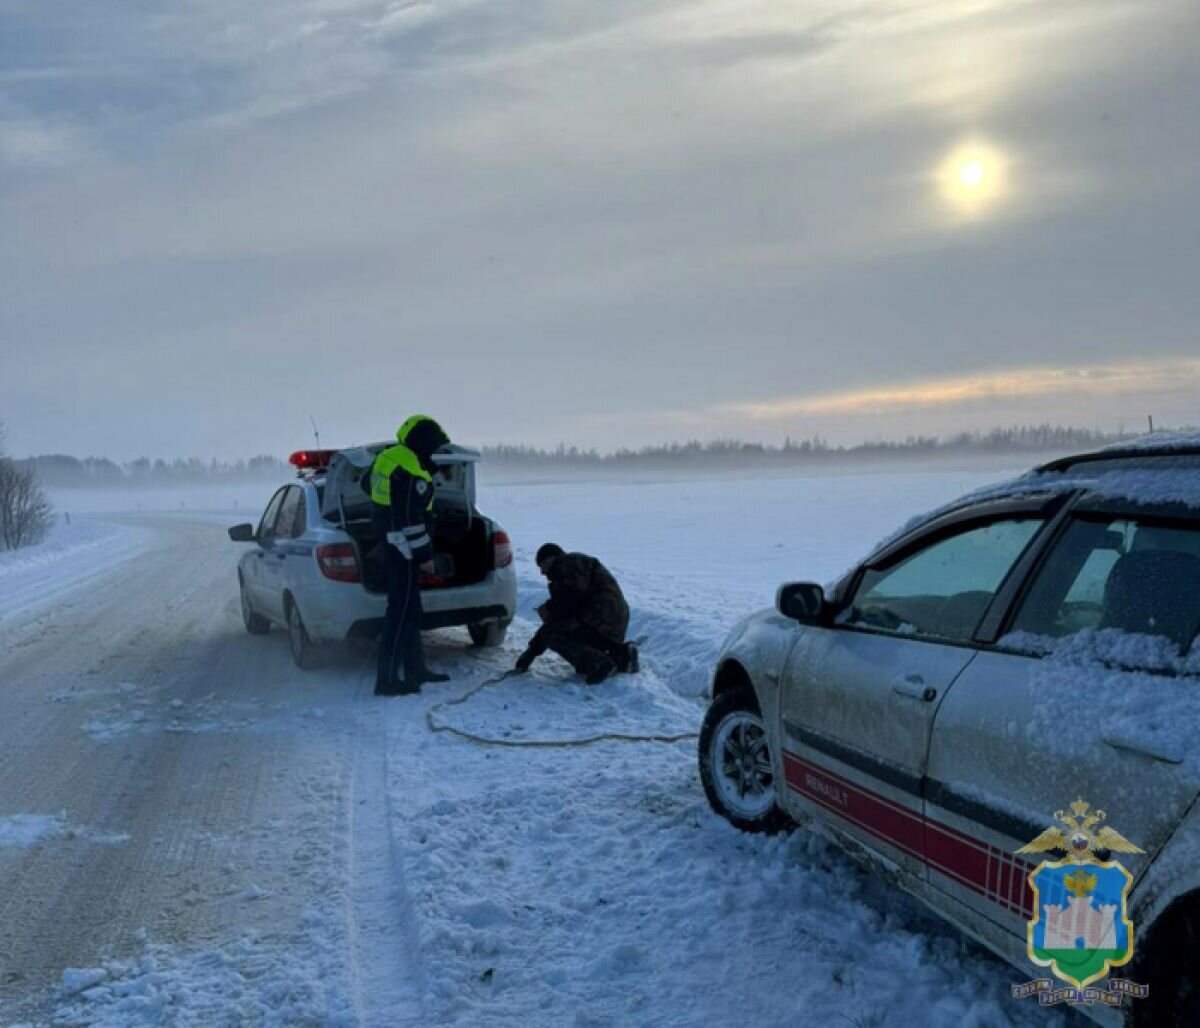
(1082, 837)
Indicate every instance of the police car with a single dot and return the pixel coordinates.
(316, 568)
(1028, 651)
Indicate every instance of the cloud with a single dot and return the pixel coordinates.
(27, 142)
(610, 220)
(1096, 382)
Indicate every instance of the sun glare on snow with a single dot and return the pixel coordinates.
(971, 178)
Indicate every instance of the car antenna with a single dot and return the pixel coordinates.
(316, 431)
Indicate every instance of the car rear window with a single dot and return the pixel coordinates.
(1119, 573)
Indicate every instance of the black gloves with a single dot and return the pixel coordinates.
(536, 647)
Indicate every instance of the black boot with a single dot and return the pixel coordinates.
(600, 670)
(626, 659)
(395, 688)
(426, 675)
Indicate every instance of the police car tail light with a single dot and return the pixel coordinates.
(339, 562)
(502, 553)
(308, 460)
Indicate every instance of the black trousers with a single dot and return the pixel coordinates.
(582, 646)
(400, 640)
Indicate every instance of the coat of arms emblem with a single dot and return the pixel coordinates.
(1080, 927)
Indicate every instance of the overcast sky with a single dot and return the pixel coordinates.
(607, 223)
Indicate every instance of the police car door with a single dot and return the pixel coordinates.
(256, 568)
(1021, 736)
(860, 696)
(274, 552)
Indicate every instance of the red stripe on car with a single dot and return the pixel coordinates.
(992, 873)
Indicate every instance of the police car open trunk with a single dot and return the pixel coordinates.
(462, 542)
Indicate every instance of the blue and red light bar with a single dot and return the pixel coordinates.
(311, 460)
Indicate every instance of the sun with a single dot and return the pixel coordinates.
(972, 174)
(972, 178)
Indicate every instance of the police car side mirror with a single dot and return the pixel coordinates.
(802, 601)
(242, 533)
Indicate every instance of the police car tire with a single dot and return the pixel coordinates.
(489, 633)
(301, 646)
(739, 700)
(255, 623)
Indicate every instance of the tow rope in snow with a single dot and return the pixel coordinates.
(536, 744)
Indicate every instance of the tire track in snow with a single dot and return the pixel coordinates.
(387, 965)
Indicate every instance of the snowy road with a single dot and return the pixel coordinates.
(193, 833)
(187, 793)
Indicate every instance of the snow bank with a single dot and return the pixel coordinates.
(81, 536)
(33, 577)
(252, 981)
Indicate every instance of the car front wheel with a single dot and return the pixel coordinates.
(303, 651)
(735, 764)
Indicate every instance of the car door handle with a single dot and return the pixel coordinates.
(1129, 746)
(914, 687)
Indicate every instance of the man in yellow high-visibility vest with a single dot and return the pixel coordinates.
(402, 498)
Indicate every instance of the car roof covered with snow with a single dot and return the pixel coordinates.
(1155, 474)
(1157, 471)
(1160, 470)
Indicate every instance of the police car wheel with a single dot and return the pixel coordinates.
(255, 623)
(489, 633)
(735, 764)
(303, 650)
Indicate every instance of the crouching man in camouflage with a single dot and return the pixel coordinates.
(585, 619)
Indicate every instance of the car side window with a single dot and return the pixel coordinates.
(300, 522)
(291, 511)
(1136, 576)
(943, 589)
(266, 527)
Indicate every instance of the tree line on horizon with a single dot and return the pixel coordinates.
(63, 470)
(1016, 439)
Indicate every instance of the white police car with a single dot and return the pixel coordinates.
(317, 569)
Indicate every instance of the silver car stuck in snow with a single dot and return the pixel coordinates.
(993, 662)
(316, 568)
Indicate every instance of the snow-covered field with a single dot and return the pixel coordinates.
(409, 877)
